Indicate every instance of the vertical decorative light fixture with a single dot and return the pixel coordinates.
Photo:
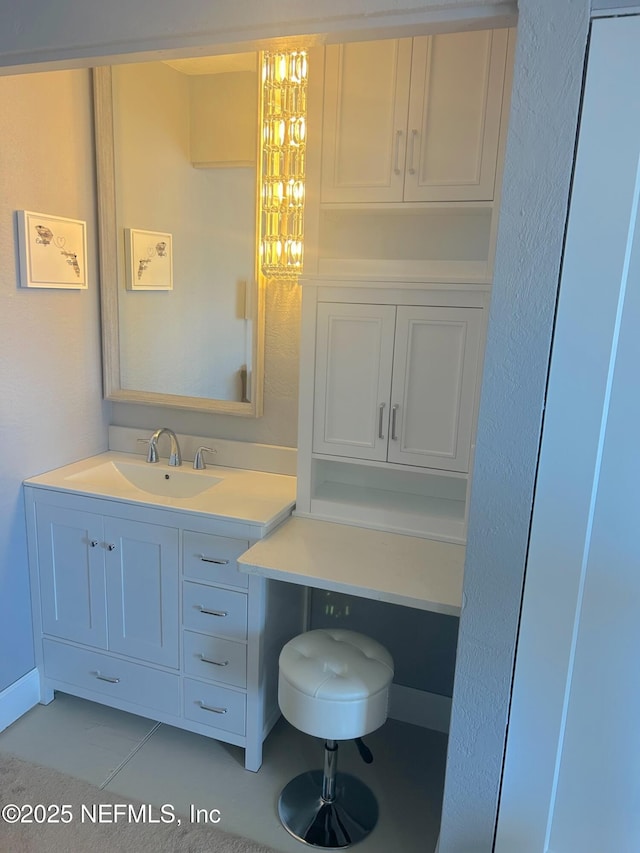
(283, 150)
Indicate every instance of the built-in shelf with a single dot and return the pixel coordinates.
(427, 503)
(441, 242)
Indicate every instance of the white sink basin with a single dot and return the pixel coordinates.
(254, 497)
(117, 476)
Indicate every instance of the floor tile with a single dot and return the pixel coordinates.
(161, 764)
(184, 769)
(81, 738)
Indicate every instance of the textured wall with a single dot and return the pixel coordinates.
(50, 388)
(546, 93)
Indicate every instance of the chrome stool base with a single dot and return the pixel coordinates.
(332, 824)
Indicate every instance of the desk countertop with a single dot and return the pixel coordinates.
(408, 570)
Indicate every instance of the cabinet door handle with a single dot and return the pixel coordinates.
(396, 155)
(412, 149)
(214, 662)
(108, 678)
(394, 415)
(210, 708)
(213, 560)
(212, 612)
(111, 547)
(380, 417)
(93, 543)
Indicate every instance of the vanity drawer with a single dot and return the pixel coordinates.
(212, 558)
(112, 677)
(212, 610)
(215, 706)
(215, 658)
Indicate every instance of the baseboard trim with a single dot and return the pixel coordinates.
(18, 698)
(420, 708)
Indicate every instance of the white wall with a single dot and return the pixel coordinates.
(51, 410)
(548, 73)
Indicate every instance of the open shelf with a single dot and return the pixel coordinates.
(448, 242)
(432, 505)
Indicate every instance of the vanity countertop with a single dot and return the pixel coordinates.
(234, 494)
(408, 570)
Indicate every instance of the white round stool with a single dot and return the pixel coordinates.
(333, 684)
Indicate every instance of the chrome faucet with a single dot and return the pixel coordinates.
(175, 457)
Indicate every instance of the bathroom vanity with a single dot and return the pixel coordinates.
(137, 599)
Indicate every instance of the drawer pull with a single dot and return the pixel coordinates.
(107, 678)
(211, 612)
(214, 662)
(213, 560)
(213, 710)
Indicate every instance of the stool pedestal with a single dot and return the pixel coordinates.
(326, 808)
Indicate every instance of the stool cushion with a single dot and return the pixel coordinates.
(334, 683)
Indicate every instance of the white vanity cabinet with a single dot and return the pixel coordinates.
(388, 398)
(109, 583)
(144, 609)
(413, 120)
(396, 383)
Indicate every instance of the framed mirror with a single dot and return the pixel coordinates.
(182, 300)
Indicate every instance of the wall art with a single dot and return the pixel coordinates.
(53, 250)
(149, 257)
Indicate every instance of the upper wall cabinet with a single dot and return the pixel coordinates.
(413, 120)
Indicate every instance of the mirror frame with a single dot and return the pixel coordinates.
(109, 285)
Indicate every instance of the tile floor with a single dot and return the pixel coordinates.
(158, 764)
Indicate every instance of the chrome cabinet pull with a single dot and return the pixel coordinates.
(215, 560)
(108, 678)
(394, 415)
(213, 710)
(93, 543)
(212, 612)
(380, 417)
(412, 148)
(214, 662)
(111, 547)
(396, 156)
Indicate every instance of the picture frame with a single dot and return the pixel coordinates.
(52, 251)
(149, 259)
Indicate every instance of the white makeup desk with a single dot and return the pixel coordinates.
(407, 570)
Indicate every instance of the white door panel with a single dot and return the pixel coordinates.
(434, 377)
(353, 379)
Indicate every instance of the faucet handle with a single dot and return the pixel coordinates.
(198, 460)
(152, 453)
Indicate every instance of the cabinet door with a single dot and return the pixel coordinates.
(354, 350)
(71, 569)
(142, 573)
(433, 391)
(454, 116)
(365, 120)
